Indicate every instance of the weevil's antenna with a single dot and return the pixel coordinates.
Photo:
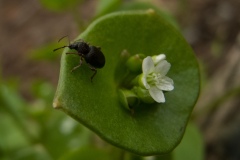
(59, 48)
(64, 37)
(63, 46)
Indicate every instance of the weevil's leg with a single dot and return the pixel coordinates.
(74, 68)
(72, 53)
(95, 72)
(80, 64)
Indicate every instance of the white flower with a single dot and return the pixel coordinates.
(154, 77)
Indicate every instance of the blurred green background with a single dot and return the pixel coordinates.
(31, 129)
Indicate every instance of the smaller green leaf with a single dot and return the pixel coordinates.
(106, 6)
(191, 146)
(11, 100)
(15, 105)
(36, 152)
(133, 6)
(87, 153)
(11, 136)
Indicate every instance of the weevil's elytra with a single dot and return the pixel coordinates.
(92, 55)
(95, 57)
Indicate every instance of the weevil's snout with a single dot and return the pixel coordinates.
(73, 46)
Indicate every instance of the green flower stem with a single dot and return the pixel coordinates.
(132, 67)
(135, 81)
(129, 80)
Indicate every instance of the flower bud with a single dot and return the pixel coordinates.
(134, 63)
(143, 95)
(157, 58)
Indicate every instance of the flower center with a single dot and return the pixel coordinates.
(154, 78)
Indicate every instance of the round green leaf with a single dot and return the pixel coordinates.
(152, 129)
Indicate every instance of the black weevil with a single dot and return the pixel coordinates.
(92, 55)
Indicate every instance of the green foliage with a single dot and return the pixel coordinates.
(191, 146)
(32, 130)
(59, 5)
(108, 6)
(87, 153)
(36, 152)
(152, 129)
(11, 136)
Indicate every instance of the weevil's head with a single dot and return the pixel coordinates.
(81, 47)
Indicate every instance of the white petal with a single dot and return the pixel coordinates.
(162, 67)
(157, 94)
(165, 84)
(158, 58)
(144, 81)
(147, 65)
